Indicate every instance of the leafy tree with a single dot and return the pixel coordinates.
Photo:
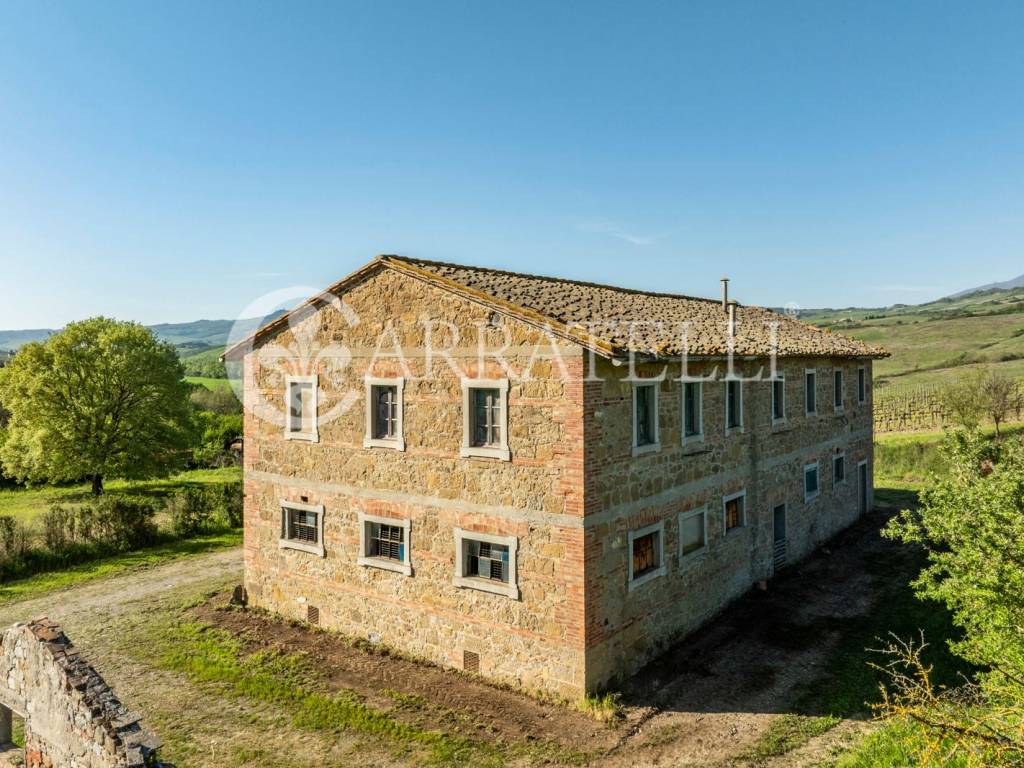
(963, 397)
(99, 399)
(1001, 395)
(971, 524)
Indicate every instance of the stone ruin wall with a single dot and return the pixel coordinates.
(72, 717)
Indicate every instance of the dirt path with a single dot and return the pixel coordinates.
(120, 593)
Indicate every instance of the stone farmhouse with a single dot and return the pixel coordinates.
(543, 481)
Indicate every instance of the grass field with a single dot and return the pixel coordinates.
(27, 503)
(209, 383)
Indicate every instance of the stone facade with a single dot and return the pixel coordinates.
(568, 496)
(72, 718)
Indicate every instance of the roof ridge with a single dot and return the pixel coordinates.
(551, 278)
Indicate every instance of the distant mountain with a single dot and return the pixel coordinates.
(197, 335)
(1017, 282)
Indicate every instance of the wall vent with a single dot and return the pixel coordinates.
(312, 614)
(471, 661)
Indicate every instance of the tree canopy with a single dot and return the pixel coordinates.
(99, 399)
(971, 524)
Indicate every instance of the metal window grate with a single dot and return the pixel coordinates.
(779, 554)
(312, 614)
(489, 561)
(387, 541)
(471, 661)
(302, 526)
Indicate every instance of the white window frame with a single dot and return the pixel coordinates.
(313, 435)
(659, 528)
(703, 510)
(739, 427)
(699, 436)
(398, 442)
(286, 543)
(484, 451)
(842, 390)
(862, 392)
(846, 476)
(511, 589)
(384, 563)
(656, 445)
(779, 377)
(816, 466)
(725, 500)
(813, 372)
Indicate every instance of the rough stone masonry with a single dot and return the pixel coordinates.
(579, 507)
(72, 717)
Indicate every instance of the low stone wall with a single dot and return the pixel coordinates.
(72, 717)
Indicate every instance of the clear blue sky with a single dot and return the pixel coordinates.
(171, 161)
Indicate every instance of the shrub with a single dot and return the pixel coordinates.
(229, 504)
(189, 510)
(58, 528)
(125, 522)
(14, 538)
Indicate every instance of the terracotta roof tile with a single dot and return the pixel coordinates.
(645, 322)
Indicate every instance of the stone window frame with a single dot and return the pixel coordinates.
(286, 543)
(688, 556)
(777, 378)
(725, 410)
(813, 372)
(313, 436)
(836, 458)
(655, 446)
(816, 467)
(862, 384)
(396, 443)
(697, 437)
(510, 590)
(469, 450)
(840, 379)
(725, 500)
(654, 573)
(365, 521)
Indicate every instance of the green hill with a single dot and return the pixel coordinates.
(930, 342)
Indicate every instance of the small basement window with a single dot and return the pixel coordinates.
(646, 554)
(733, 404)
(301, 403)
(734, 511)
(645, 418)
(485, 418)
(693, 532)
(811, 487)
(384, 543)
(302, 527)
(486, 562)
(693, 411)
(810, 392)
(384, 401)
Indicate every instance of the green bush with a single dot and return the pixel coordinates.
(217, 432)
(198, 509)
(14, 538)
(125, 522)
(189, 511)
